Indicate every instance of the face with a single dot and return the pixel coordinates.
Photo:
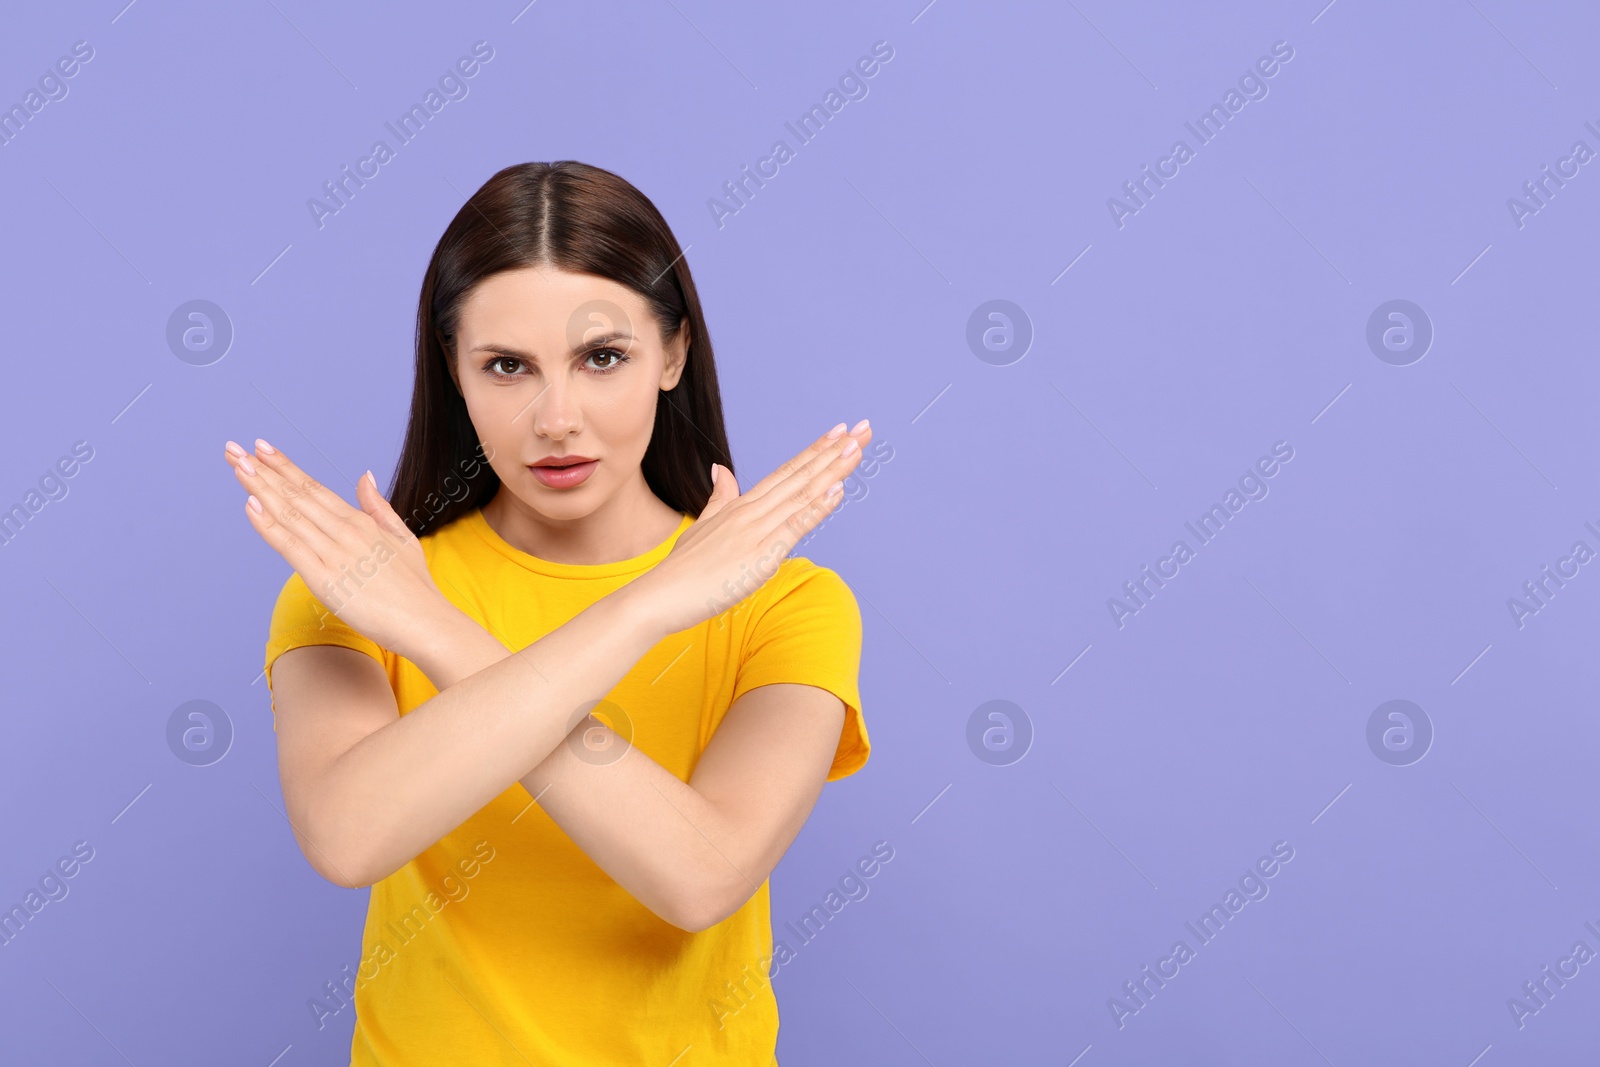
(558, 364)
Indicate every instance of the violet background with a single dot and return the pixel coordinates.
(1228, 314)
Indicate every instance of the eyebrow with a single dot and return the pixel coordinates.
(596, 342)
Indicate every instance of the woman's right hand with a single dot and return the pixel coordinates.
(739, 539)
(362, 562)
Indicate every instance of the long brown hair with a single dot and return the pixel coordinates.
(573, 217)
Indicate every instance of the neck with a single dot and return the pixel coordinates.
(627, 524)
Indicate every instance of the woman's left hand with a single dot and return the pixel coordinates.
(364, 564)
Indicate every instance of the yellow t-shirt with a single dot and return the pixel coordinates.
(504, 943)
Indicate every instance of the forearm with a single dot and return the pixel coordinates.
(403, 787)
(669, 846)
(650, 831)
(457, 649)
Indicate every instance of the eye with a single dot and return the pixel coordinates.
(613, 357)
(489, 367)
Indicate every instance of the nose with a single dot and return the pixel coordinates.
(555, 411)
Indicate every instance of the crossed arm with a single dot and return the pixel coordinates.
(692, 852)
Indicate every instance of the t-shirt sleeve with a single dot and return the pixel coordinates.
(299, 618)
(811, 634)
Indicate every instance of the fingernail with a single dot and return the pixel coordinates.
(836, 431)
(246, 466)
(852, 448)
(255, 505)
(234, 449)
(371, 479)
(835, 489)
(714, 468)
(862, 425)
(264, 447)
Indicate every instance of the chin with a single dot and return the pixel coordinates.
(563, 503)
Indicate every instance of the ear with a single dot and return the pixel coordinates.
(677, 352)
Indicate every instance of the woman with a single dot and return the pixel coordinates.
(559, 878)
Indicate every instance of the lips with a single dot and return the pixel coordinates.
(563, 472)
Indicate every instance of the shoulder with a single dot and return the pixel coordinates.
(298, 612)
(806, 630)
(798, 577)
(296, 604)
(806, 593)
(300, 618)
